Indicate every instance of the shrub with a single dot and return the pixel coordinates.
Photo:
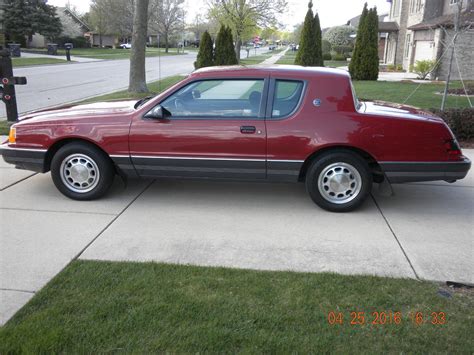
(460, 120)
(423, 68)
(327, 56)
(338, 57)
(205, 54)
(225, 53)
(306, 54)
(326, 45)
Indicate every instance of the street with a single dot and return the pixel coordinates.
(51, 85)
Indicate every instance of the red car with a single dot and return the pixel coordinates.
(272, 123)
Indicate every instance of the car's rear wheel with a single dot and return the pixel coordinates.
(339, 181)
(82, 172)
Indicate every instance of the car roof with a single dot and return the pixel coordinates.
(270, 68)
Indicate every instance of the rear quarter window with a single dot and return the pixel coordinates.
(286, 98)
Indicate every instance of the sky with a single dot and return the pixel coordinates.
(331, 12)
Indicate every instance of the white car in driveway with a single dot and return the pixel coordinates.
(126, 46)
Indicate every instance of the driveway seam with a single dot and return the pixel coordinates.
(17, 182)
(16, 290)
(439, 185)
(55, 211)
(111, 222)
(396, 238)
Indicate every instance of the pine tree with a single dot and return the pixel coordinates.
(306, 53)
(205, 54)
(225, 53)
(364, 64)
(318, 60)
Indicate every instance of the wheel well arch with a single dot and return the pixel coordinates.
(371, 161)
(61, 143)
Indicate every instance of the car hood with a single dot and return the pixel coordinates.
(86, 110)
(390, 109)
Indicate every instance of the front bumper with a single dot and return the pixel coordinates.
(24, 158)
(399, 172)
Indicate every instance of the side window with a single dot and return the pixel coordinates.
(225, 98)
(286, 98)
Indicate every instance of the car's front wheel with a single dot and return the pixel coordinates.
(81, 171)
(339, 181)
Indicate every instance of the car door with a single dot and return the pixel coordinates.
(216, 129)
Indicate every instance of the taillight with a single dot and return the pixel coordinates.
(453, 149)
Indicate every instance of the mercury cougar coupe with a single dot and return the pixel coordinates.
(271, 123)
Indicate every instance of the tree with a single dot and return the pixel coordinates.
(71, 28)
(225, 54)
(112, 17)
(318, 49)
(306, 54)
(137, 82)
(167, 18)
(98, 18)
(364, 64)
(243, 16)
(24, 18)
(340, 39)
(205, 53)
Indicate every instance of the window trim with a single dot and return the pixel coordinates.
(260, 116)
(271, 94)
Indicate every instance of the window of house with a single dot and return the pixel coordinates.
(419, 5)
(223, 98)
(396, 8)
(287, 96)
(412, 6)
(452, 2)
(407, 45)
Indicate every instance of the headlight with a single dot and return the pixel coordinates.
(12, 135)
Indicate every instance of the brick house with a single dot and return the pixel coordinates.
(421, 30)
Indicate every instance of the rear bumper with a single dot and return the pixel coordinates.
(399, 172)
(22, 158)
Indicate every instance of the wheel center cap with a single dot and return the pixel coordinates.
(79, 173)
(339, 183)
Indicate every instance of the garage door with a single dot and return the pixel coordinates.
(424, 50)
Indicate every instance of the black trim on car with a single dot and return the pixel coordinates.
(399, 172)
(24, 158)
(271, 94)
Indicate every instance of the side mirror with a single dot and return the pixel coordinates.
(158, 113)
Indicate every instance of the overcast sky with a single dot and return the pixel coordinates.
(331, 12)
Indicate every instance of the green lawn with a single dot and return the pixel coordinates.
(289, 58)
(425, 96)
(101, 307)
(25, 62)
(111, 53)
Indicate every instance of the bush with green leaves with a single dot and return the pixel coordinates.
(318, 48)
(205, 56)
(340, 36)
(423, 68)
(225, 52)
(327, 56)
(306, 53)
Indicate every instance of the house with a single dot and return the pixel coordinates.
(423, 29)
(383, 31)
(73, 26)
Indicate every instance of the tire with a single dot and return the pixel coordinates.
(81, 171)
(339, 181)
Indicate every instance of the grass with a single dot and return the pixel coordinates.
(111, 53)
(289, 58)
(425, 97)
(25, 62)
(98, 307)
(257, 59)
(5, 127)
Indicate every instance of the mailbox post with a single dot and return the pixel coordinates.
(68, 47)
(7, 85)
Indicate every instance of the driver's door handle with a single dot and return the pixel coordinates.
(247, 129)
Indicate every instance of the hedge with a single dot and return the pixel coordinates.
(460, 120)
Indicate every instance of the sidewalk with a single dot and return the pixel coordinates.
(73, 58)
(274, 58)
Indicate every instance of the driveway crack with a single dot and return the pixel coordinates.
(395, 236)
(112, 221)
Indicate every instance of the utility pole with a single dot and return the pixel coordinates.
(457, 17)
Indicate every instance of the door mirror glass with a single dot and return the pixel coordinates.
(158, 113)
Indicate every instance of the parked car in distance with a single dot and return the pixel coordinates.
(267, 123)
(126, 46)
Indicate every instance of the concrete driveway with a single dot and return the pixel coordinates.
(425, 231)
